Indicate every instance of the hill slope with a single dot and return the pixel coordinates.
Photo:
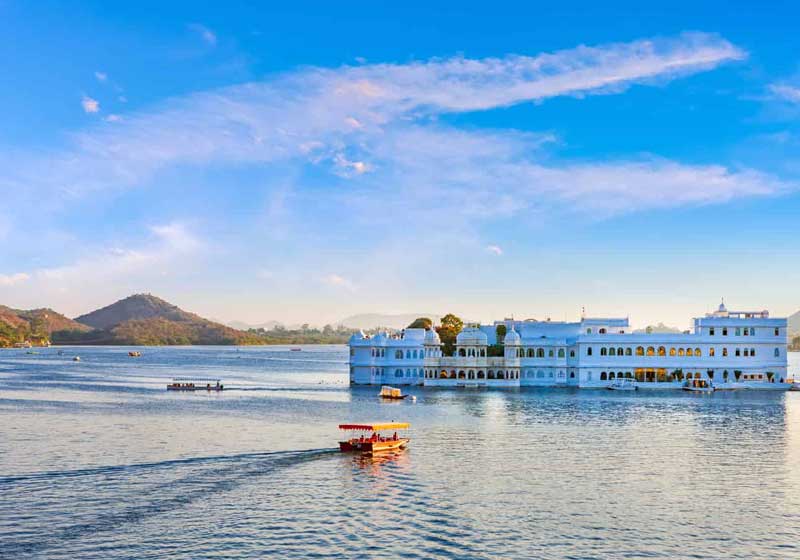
(144, 319)
(794, 323)
(34, 325)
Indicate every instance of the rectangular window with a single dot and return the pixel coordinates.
(777, 331)
(711, 331)
(589, 351)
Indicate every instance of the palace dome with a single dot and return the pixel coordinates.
(512, 338)
(472, 336)
(432, 337)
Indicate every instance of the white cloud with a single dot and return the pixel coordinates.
(494, 249)
(90, 105)
(205, 33)
(13, 279)
(339, 282)
(101, 76)
(786, 92)
(113, 118)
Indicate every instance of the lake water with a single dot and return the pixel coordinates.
(98, 460)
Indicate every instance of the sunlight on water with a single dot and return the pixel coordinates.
(98, 460)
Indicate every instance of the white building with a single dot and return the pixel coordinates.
(733, 349)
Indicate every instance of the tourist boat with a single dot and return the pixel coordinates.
(371, 440)
(134, 354)
(623, 385)
(698, 386)
(195, 384)
(391, 393)
(295, 349)
(76, 359)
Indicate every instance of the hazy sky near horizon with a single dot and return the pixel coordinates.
(308, 162)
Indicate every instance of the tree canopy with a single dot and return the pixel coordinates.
(448, 330)
(500, 330)
(420, 323)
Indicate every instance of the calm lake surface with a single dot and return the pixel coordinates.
(98, 460)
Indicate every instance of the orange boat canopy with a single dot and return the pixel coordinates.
(376, 427)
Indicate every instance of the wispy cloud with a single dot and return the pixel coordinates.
(101, 76)
(13, 279)
(785, 92)
(90, 105)
(339, 282)
(494, 249)
(205, 33)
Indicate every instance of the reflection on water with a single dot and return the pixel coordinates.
(98, 460)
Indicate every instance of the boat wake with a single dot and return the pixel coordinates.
(95, 494)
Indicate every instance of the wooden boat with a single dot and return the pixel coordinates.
(134, 354)
(371, 440)
(698, 386)
(195, 384)
(76, 359)
(296, 349)
(391, 393)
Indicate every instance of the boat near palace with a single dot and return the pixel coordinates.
(134, 354)
(371, 440)
(195, 384)
(391, 393)
(698, 386)
(623, 385)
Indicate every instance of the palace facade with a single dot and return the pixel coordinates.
(732, 349)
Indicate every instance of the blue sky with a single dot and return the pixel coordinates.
(307, 162)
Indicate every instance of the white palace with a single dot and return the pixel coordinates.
(732, 349)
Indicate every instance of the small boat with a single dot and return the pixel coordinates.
(374, 442)
(623, 385)
(295, 349)
(76, 359)
(698, 386)
(134, 354)
(195, 384)
(391, 393)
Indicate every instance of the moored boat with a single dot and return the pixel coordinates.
(698, 386)
(134, 354)
(623, 385)
(388, 392)
(375, 442)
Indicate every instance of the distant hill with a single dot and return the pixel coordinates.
(374, 320)
(267, 326)
(34, 325)
(794, 323)
(659, 328)
(144, 319)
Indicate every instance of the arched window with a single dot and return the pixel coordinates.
(680, 351)
(572, 353)
(483, 352)
(531, 353)
(398, 373)
(777, 352)
(540, 353)
(471, 374)
(628, 351)
(588, 331)
(724, 351)
(662, 351)
(612, 351)
(619, 351)
(550, 353)
(480, 374)
(560, 352)
(462, 353)
(752, 331)
(711, 352)
(746, 352)
(490, 375)
(697, 352)
(602, 331)
(777, 331)
(724, 332)
(461, 374)
(603, 376)
(398, 354)
(672, 351)
(651, 351)
(738, 353)
(540, 374)
(603, 352)
(589, 351)
(611, 375)
(738, 331)
(571, 374)
(521, 353)
(639, 351)
(752, 352)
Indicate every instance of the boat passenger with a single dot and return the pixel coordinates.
(394, 437)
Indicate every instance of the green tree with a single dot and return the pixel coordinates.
(420, 323)
(448, 330)
(500, 331)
